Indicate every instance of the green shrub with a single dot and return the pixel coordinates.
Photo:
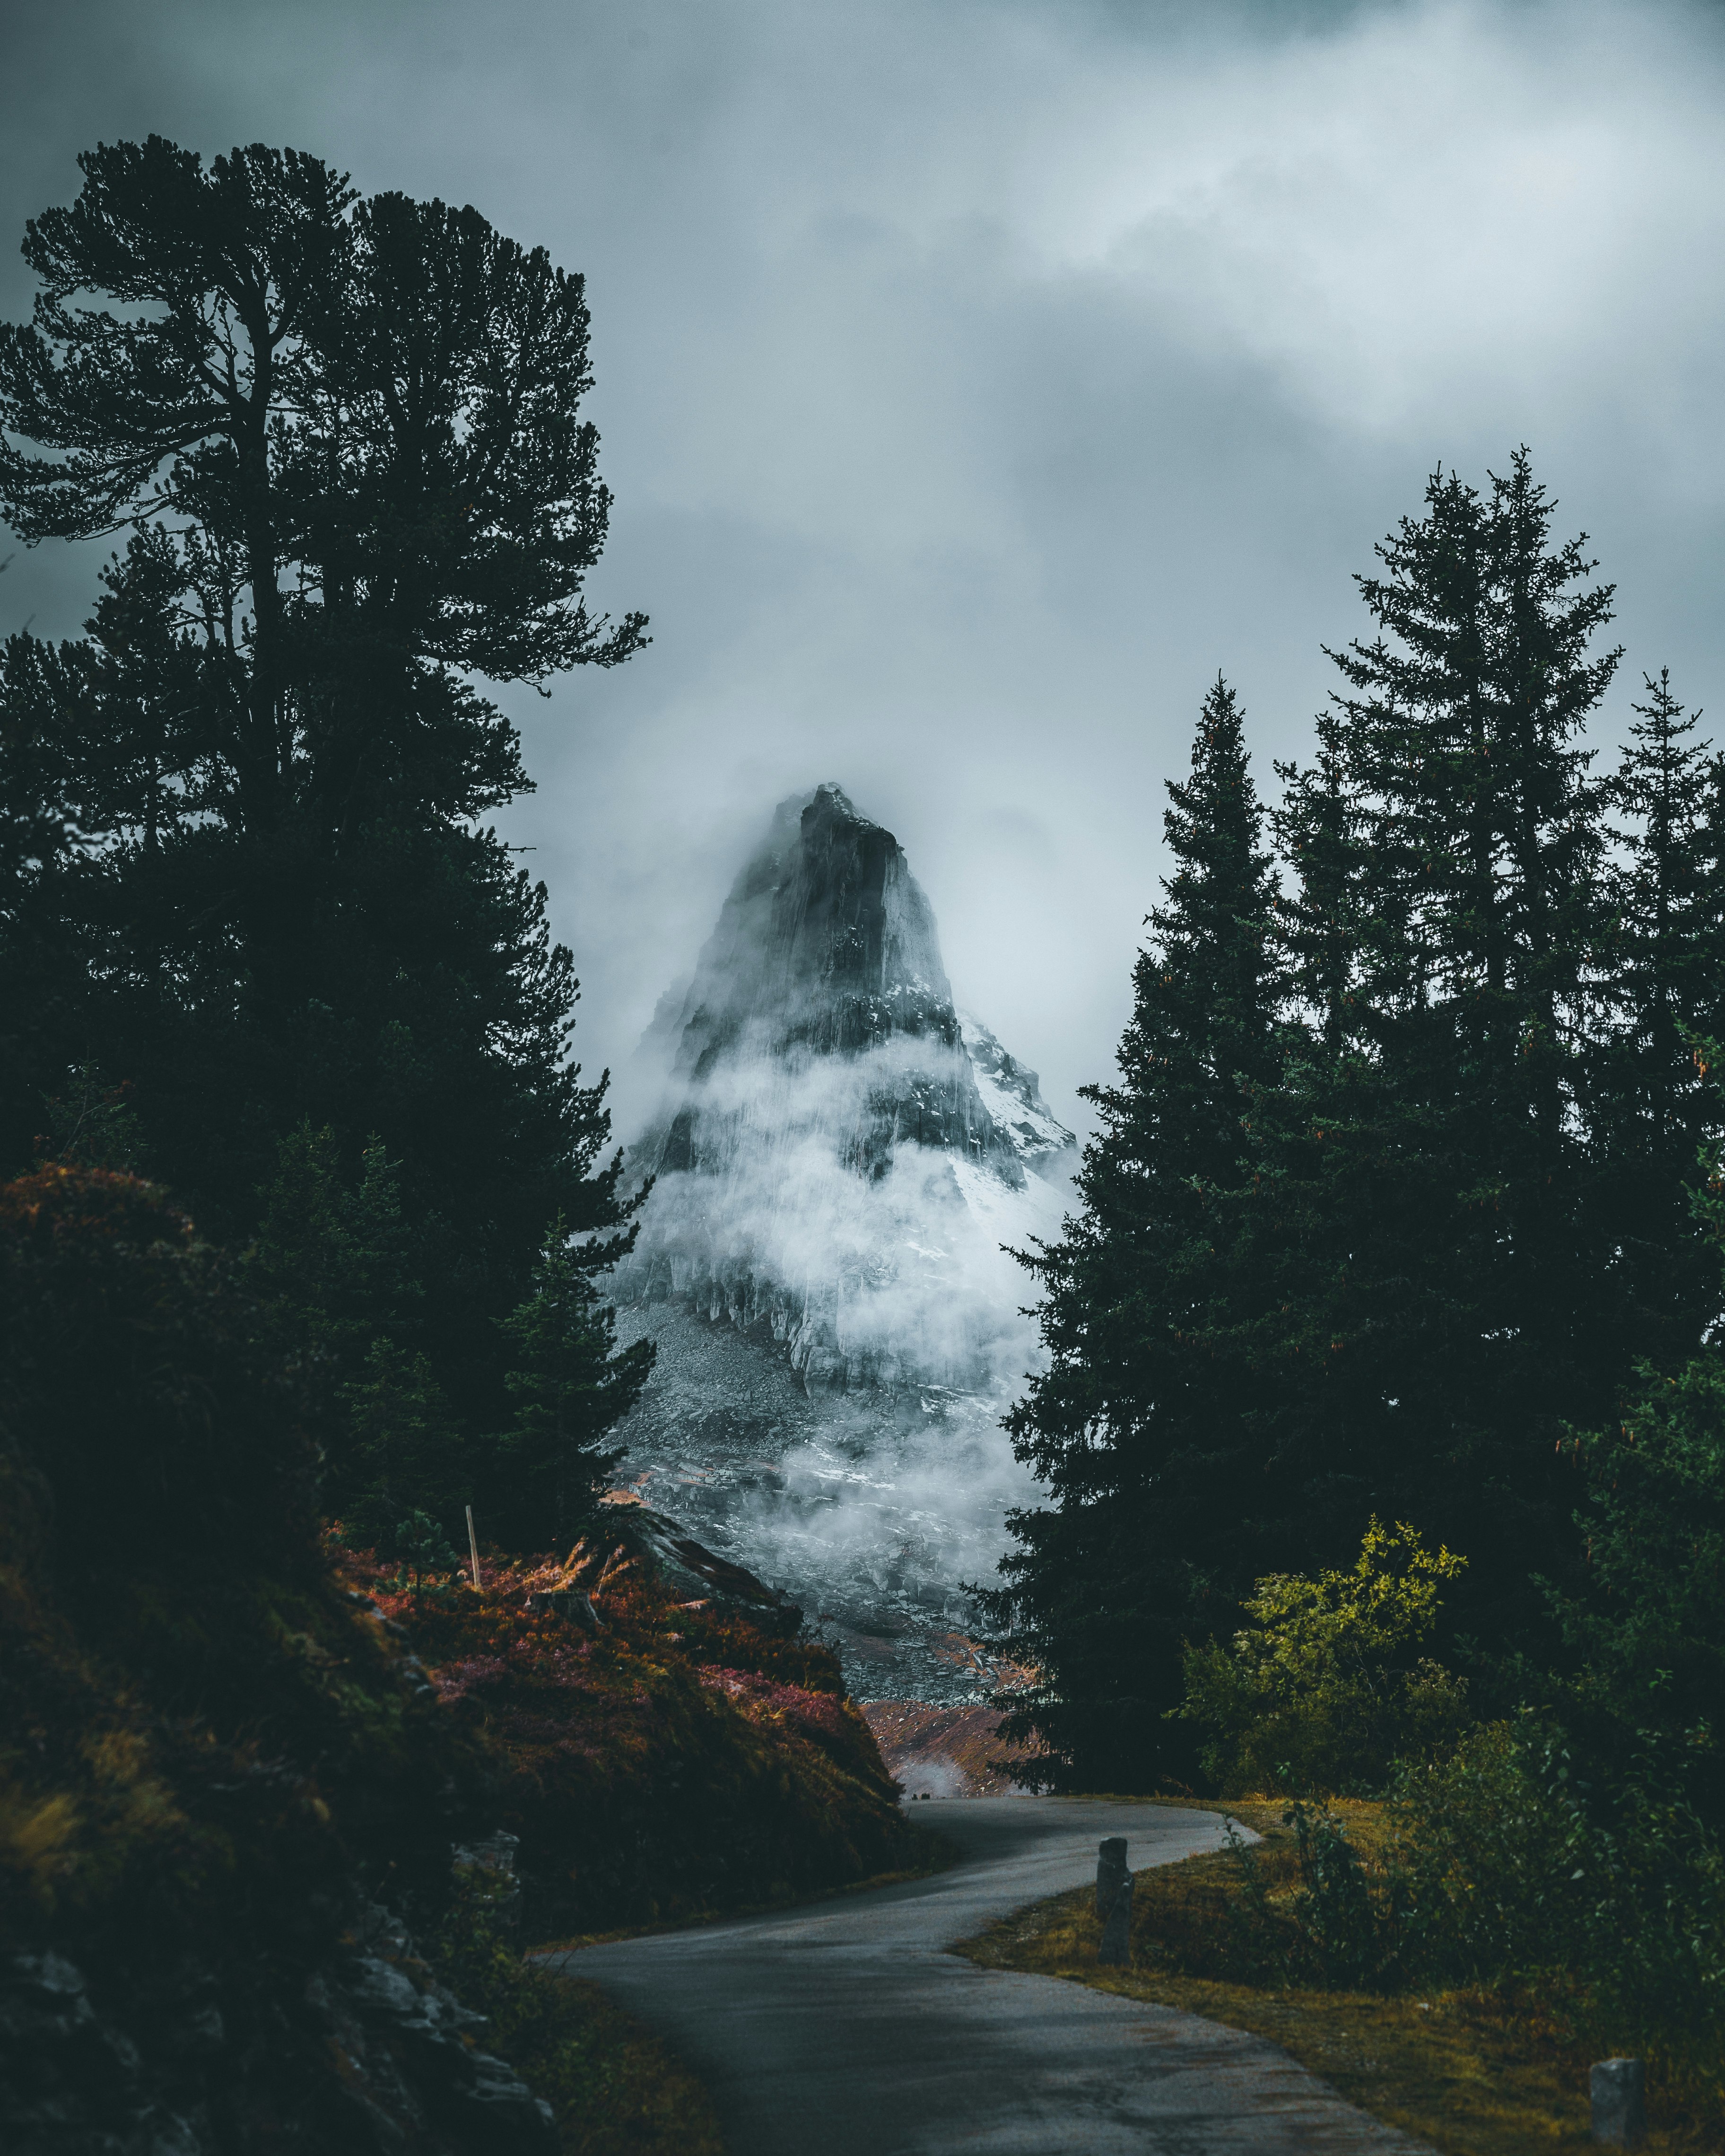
(1323, 1690)
(1608, 1905)
(1499, 1870)
(1340, 1925)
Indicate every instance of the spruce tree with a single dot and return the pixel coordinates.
(1320, 924)
(1663, 893)
(1405, 1274)
(1463, 1228)
(1648, 1109)
(1447, 1295)
(570, 1388)
(1135, 1424)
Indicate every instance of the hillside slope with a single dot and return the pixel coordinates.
(230, 1793)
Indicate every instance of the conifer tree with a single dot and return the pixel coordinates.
(1135, 1424)
(1648, 1109)
(1664, 788)
(335, 1258)
(332, 1260)
(1405, 1275)
(404, 1456)
(44, 950)
(1320, 924)
(344, 439)
(1464, 1228)
(1445, 1295)
(571, 1387)
(1644, 1618)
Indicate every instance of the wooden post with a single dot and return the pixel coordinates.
(473, 1549)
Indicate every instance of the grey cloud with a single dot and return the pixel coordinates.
(976, 381)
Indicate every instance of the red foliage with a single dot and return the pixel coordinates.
(66, 1202)
(677, 1758)
(809, 1710)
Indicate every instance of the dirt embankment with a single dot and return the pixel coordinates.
(943, 1751)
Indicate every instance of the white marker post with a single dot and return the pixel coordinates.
(473, 1549)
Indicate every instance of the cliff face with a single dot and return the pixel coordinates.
(826, 949)
(836, 1152)
(840, 1155)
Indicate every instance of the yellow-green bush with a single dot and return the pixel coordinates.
(1325, 1688)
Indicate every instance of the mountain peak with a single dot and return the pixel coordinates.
(829, 799)
(816, 1057)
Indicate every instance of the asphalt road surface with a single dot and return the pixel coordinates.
(845, 2029)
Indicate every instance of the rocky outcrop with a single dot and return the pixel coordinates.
(690, 1568)
(362, 2051)
(1012, 1093)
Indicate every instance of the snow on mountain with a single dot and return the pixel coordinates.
(1012, 1094)
(838, 1159)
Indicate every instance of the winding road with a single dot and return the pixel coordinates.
(845, 2029)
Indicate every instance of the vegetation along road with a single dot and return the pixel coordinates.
(847, 2027)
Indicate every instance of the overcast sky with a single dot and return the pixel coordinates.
(976, 380)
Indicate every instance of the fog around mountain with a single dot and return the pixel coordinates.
(841, 1165)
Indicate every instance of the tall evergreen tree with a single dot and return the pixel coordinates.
(345, 439)
(1426, 1201)
(1320, 922)
(1134, 1424)
(1648, 1110)
(1407, 1276)
(570, 1388)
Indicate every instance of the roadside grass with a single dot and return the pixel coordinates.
(615, 2088)
(1473, 2074)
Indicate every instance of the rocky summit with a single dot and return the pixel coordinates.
(838, 1155)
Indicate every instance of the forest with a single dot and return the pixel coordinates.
(1383, 1413)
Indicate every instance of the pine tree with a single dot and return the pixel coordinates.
(1135, 1424)
(570, 1388)
(345, 439)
